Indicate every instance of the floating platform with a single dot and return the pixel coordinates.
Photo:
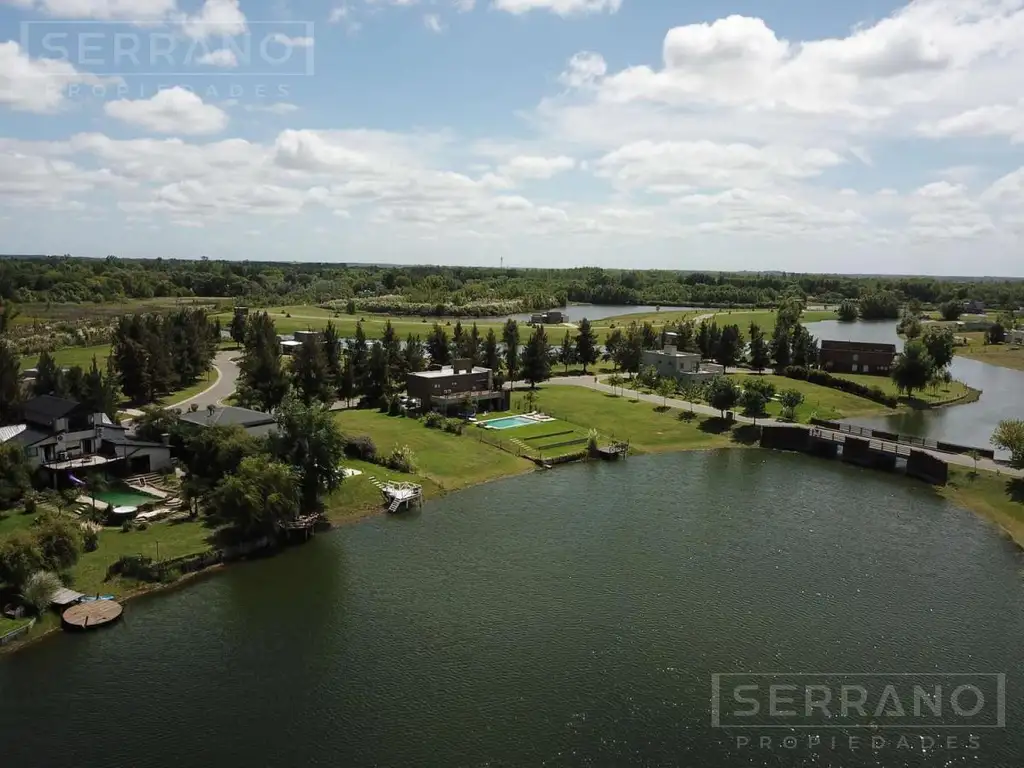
(94, 614)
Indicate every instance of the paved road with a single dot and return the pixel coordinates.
(227, 376)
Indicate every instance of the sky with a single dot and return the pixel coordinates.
(861, 137)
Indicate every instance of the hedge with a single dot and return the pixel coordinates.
(825, 379)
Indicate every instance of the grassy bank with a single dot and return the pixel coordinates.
(944, 394)
(1003, 355)
(819, 402)
(996, 497)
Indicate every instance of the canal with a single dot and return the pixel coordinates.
(564, 618)
(971, 424)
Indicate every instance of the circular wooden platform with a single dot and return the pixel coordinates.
(93, 614)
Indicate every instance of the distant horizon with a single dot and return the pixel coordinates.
(399, 265)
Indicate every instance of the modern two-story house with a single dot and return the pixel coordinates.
(453, 385)
(61, 435)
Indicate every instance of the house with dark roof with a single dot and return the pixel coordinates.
(256, 423)
(857, 357)
(61, 435)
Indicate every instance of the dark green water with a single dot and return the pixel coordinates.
(570, 618)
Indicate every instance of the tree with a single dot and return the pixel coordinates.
(20, 557)
(690, 392)
(237, 328)
(378, 376)
(764, 386)
(1009, 436)
(537, 357)
(510, 338)
(458, 340)
(730, 346)
(309, 441)
(359, 357)
(491, 356)
(39, 590)
(412, 356)
(310, 379)
(951, 310)
(723, 394)
(704, 340)
(612, 345)
(780, 348)
(347, 383)
(685, 336)
(666, 388)
(567, 352)
(99, 390)
(332, 356)
(15, 477)
(615, 381)
(211, 453)
(760, 357)
(586, 345)
(49, 377)
(471, 347)
(10, 382)
(630, 351)
(941, 345)
(909, 326)
(155, 422)
(880, 305)
(262, 382)
(753, 403)
(437, 346)
(913, 367)
(59, 540)
(791, 399)
(848, 311)
(257, 498)
(996, 334)
(804, 347)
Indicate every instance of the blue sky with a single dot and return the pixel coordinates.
(854, 137)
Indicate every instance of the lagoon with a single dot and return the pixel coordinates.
(566, 618)
(970, 424)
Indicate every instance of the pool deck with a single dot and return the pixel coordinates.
(91, 615)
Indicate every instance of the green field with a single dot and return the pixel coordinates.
(929, 397)
(646, 426)
(449, 461)
(819, 402)
(998, 498)
(766, 318)
(68, 357)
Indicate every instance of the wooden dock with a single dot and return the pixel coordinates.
(95, 613)
(613, 451)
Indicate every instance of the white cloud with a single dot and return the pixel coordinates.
(222, 57)
(535, 167)
(173, 110)
(215, 18)
(433, 22)
(584, 69)
(465, 6)
(994, 120)
(345, 16)
(37, 85)
(105, 10)
(564, 8)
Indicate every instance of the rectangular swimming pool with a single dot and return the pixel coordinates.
(508, 422)
(125, 497)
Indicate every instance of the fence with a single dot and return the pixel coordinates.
(16, 634)
(892, 437)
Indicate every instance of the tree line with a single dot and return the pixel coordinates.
(68, 279)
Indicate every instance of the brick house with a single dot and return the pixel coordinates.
(857, 357)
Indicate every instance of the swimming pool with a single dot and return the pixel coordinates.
(125, 497)
(508, 422)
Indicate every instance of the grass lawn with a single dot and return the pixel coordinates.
(646, 426)
(996, 497)
(161, 541)
(449, 461)
(1005, 355)
(202, 384)
(9, 625)
(765, 318)
(819, 402)
(69, 357)
(925, 398)
(13, 520)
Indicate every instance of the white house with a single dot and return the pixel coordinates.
(59, 434)
(1015, 337)
(669, 362)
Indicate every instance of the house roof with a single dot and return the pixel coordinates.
(118, 436)
(227, 416)
(856, 346)
(44, 409)
(22, 434)
(448, 371)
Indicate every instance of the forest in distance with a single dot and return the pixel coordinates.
(466, 291)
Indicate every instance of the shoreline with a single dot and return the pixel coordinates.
(953, 493)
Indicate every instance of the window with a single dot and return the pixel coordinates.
(855, 358)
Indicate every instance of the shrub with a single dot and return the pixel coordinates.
(126, 526)
(401, 459)
(394, 407)
(433, 420)
(31, 505)
(454, 426)
(361, 447)
(90, 540)
(39, 590)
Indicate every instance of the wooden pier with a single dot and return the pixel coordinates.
(93, 614)
(613, 451)
(399, 497)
